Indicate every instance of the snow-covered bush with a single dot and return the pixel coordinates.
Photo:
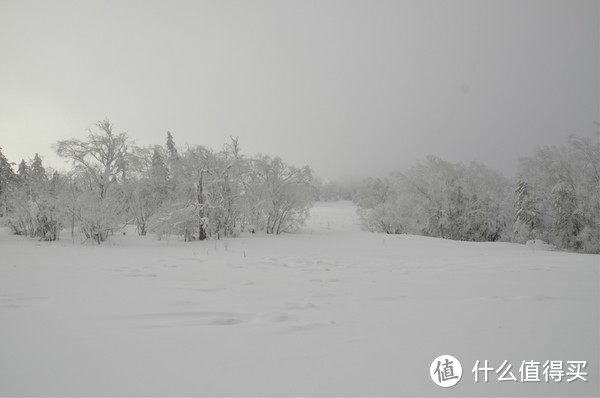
(437, 198)
(183, 221)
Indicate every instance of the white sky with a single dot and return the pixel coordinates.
(351, 88)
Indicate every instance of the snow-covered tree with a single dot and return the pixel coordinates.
(172, 153)
(566, 218)
(219, 193)
(285, 194)
(223, 190)
(194, 192)
(527, 219)
(565, 181)
(103, 158)
(185, 213)
(35, 204)
(149, 188)
(378, 207)
(7, 180)
(437, 198)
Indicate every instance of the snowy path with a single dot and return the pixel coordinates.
(330, 310)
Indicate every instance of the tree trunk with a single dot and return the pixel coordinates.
(201, 230)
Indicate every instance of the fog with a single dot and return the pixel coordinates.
(349, 88)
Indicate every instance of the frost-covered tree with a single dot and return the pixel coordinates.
(172, 152)
(22, 170)
(217, 188)
(566, 217)
(437, 198)
(565, 181)
(196, 192)
(286, 193)
(220, 193)
(69, 198)
(102, 155)
(378, 207)
(149, 188)
(7, 180)
(178, 213)
(35, 203)
(185, 213)
(50, 216)
(223, 191)
(527, 219)
(102, 158)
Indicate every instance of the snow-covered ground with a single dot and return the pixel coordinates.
(330, 310)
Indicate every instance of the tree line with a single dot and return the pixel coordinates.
(555, 197)
(199, 193)
(195, 193)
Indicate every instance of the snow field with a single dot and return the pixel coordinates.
(330, 310)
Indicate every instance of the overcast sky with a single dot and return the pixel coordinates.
(351, 88)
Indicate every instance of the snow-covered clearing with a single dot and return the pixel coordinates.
(330, 310)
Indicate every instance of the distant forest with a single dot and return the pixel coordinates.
(198, 193)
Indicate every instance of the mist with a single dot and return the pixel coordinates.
(351, 88)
